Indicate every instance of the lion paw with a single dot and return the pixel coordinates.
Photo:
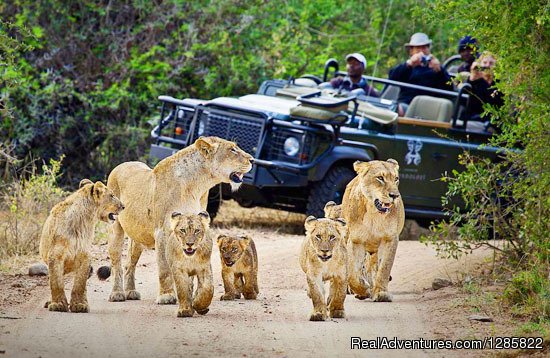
(382, 297)
(318, 316)
(58, 306)
(117, 296)
(250, 296)
(185, 312)
(359, 297)
(337, 314)
(133, 295)
(228, 297)
(166, 299)
(202, 311)
(79, 307)
(47, 304)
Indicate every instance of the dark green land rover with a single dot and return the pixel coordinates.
(305, 140)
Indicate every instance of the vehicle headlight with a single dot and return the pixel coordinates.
(202, 127)
(291, 146)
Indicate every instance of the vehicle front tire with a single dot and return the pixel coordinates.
(331, 187)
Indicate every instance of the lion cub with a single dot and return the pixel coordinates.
(324, 258)
(188, 251)
(67, 236)
(239, 267)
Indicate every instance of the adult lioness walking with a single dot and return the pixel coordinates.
(374, 212)
(177, 183)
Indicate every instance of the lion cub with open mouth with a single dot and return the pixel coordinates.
(188, 252)
(324, 258)
(67, 237)
(239, 267)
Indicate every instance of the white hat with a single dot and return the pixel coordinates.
(358, 57)
(419, 39)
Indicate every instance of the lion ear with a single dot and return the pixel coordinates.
(84, 182)
(359, 166)
(174, 219)
(220, 239)
(329, 204)
(205, 217)
(206, 146)
(309, 222)
(393, 161)
(98, 190)
(341, 222)
(244, 241)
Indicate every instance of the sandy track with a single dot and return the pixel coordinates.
(274, 325)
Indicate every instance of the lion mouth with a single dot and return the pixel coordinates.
(325, 258)
(112, 217)
(383, 208)
(236, 177)
(229, 263)
(189, 251)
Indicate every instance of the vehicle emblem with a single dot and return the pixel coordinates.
(413, 156)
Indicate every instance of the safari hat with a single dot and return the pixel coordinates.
(419, 39)
(358, 57)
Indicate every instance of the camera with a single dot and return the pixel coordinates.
(425, 60)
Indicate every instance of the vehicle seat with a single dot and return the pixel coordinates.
(431, 108)
(305, 82)
(391, 93)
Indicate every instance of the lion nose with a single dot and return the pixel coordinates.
(251, 160)
(324, 251)
(394, 195)
(189, 244)
(122, 207)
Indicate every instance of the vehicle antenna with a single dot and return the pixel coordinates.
(382, 40)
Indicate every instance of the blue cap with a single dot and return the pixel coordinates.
(467, 42)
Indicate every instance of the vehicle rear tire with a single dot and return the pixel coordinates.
(214, 201)
(331, 187)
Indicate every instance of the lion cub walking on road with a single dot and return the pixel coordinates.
(188, 251)
(66, 239)
(324, 258)
(239, 267)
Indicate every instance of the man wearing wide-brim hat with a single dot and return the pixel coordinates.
(422, 68)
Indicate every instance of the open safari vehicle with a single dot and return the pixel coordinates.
(305, 140)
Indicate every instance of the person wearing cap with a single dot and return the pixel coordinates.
(422, 68)
(355, 66)
(468, 51)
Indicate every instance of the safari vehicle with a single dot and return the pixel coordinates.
(305, 141)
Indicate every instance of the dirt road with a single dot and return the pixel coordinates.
(274, 325)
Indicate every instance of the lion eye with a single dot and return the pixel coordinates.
(318, 237)
(197, 232)
(380, 179)
(234, 249)
(234, 150)
(182, 231)
(397, 179)
(332, 237)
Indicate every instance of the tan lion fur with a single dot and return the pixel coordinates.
(66, 238)
(239, 267)
(323, 257)
(188, 252)
(178, 183)
(370, 231)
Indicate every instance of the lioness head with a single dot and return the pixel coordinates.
(189, 230)
(324, 235)
(379, 181)
(108, 205)
(232, 248)
(230, 161)
(332, 210)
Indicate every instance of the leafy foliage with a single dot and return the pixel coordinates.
(96, 67)
(509, 199)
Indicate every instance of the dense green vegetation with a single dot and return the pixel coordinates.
(89, 85)
(80, 79)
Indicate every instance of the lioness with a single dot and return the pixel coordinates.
(374, 211)
(178, 183)
(324, 258)
(239, 267)
(188, 251)
(66, 238)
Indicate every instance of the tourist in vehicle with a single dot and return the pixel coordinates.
(355, 67)
(483, 91)
(468, 51)
(422, 68)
